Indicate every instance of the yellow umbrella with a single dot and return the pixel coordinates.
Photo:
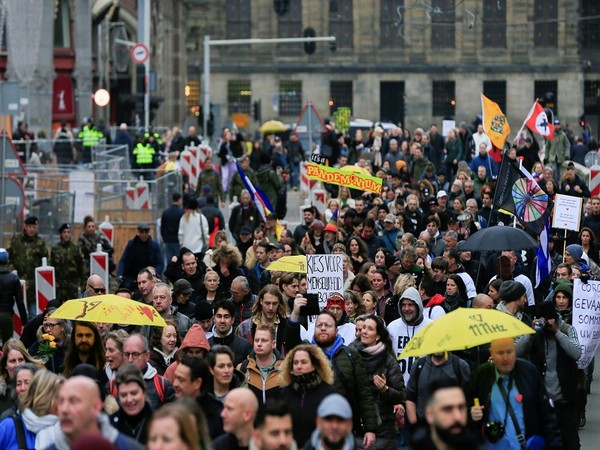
(109, 308)
(273, 126)
(464, 328)
(294, 263)
(355, 169)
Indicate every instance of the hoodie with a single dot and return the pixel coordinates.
(433, 307)
(402, 330)
(195, 337)
(315, 442)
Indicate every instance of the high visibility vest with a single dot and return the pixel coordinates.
(144, 154)
(89, 136)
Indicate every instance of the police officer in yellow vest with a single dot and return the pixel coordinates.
(145, 158)
(90, 136)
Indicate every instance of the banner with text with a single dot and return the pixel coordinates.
(586, 318)
(324, 276)
(344, 177)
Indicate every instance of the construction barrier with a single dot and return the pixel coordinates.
(45, 285)
(17, 322)
(99, 265)
(595, 181)
(107, 229)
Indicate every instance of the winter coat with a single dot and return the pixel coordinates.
(32, 425)
(264, 388)
(269, 182)
(195, 337)
(139, 254)
(139, 430)
(241, 347)
(212, 406)
(193, 232)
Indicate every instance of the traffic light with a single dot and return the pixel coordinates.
(310, 47)
(582, 121)
(256, 110)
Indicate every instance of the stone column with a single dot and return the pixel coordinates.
(82, 44)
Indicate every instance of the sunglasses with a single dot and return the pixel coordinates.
(100, 290)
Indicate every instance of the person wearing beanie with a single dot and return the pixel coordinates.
(336, 303)
(554, 349)
(182, 294)
(403, 329)
(10, 293)
(574, 254)
(204, 317)
(513, 298)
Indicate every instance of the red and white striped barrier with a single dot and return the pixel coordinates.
(99, 265)
(595, 181)
(142, 192)
(318, 200)
(204, 152)
(306, 184)
(130, 198)
(17, 322)
(45, 285)
(107, 229)
(187, 161)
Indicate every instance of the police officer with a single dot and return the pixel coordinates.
(144, 154)
(27, 250)
(67, 259)
(90, 137)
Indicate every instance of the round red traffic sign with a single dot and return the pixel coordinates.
(139, 53)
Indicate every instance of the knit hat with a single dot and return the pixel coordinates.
(575, 251)
(3, 257)
(511, 291)
(335, 405)
(204, 311)
(566, 288)
(336, 299)
(400, 164)
(92, 441)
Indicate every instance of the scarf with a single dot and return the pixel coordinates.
(306, 382)
(35, 424)
(567, 315)
(167, 358)
(453, 302)
(373, 357)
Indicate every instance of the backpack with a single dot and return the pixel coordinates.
(455, 367)
(19, 429)
(159, 384)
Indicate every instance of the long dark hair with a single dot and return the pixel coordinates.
(382, 331)
(97, 351)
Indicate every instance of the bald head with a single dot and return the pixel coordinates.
(244, 397)
(95, 286)
(239, 411)
(79, 405)
(483, 301)
(503, 355)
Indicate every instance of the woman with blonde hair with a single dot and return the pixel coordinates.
(174, 425)
(345, 198)
(306, 378)
(193, 229)
(37, 417)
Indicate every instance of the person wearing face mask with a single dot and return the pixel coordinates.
(135, 412)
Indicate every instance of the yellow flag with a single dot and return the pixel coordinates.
(495, 123)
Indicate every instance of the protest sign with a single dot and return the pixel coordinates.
(586, 318)
(567, 212)
(324, 276)
(348, 176)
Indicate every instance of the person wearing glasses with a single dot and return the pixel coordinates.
(94, 286)
(60, 330)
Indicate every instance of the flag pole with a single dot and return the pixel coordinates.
(525, 121)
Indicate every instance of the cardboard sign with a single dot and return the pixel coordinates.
(324, 276)
(567, 212)
(586, 318)
(343, 177)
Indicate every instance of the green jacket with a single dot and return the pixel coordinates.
(213, 179)
(26, 254)
(236, 185)
(558, 149)
(67, 260)
(269, 182)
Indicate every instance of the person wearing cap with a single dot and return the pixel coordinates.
(573, 185)
(88, 242)
(10, 294)
(334, 425)
(210, 177)
(67, 260)
(243, 216)
(26, 250)
(389, 234)
(182, 294)
(513, 300)
(558, 151)
(554, 349)
(350, 375)
(336, 303)
(140, 252)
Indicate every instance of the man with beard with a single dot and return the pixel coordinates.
(334, 425)
(350, 376)
(445, 426)
(508, 393)
(273, 428)
(85, 346)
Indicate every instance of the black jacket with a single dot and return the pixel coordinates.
(539, 416)
(241, 347)
(10, 292)
(169, 224)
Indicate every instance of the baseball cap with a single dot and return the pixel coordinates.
(277, 246)
(3, 256)
(442, 194)
(143, 227)
(183, 287)
(390, 218)
(245, 230)
(335, 405)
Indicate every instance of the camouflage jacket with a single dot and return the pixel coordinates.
(67, 260)
(26, 254)
(213, 179)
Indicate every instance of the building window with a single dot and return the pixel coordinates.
(62, 25)
(496, 91)
(494, 23)
(290, 97)
(547, 92)
(238, 19)
(444, 100)
(290, 25)
(340, 22)
(391, 24)
(239, 95)
(591, 97)
(590, 28)
(545, 28)
(340, 95)
(442, 23)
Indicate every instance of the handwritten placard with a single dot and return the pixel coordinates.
(567, 212)
(324, 276)
(586, 318)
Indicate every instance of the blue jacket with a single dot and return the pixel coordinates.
(486, 161)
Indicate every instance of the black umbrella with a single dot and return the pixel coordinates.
(499, 238)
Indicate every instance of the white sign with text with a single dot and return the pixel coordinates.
(567, 212)
(324, 276)
(586, 318)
